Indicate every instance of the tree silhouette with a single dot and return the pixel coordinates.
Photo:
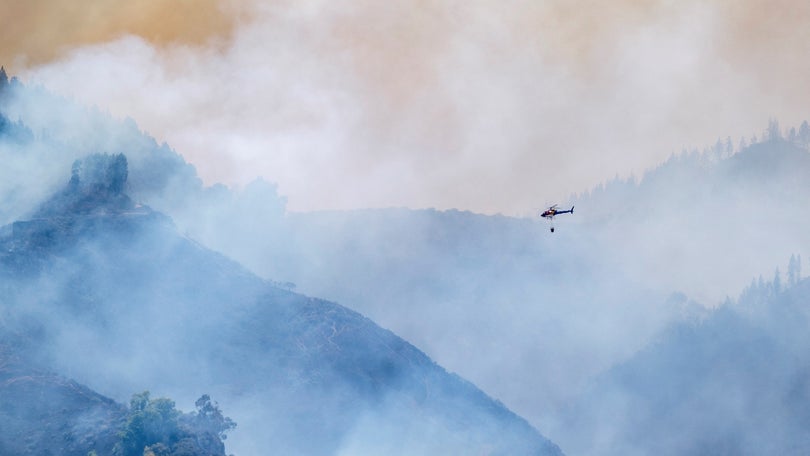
(804, 133)
(774, 133)
(794, 271)
(209, 417)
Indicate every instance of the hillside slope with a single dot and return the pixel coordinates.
(736, 382)
(43, 413)
(581, 299)
(112, 295)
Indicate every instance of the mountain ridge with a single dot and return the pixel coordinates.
(102, 273)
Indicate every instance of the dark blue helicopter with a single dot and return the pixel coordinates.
(552, 211)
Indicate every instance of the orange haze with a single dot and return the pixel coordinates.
(36, 31)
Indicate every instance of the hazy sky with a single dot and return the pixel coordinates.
(483, 105)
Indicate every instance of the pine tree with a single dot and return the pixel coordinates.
(791, 272)
(3, 78)
(719, 150)
(804, 134)
(798, 268)
(774, 133)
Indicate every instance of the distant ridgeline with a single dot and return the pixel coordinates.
(722, 154)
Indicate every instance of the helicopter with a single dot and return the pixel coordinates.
(553, 211)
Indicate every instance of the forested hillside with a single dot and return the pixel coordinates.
(734, 382)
